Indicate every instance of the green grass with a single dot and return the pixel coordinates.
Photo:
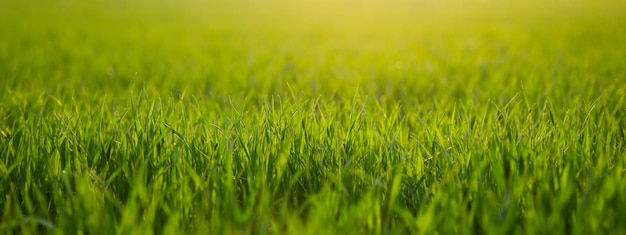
(322, 117)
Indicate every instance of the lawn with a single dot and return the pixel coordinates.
(312, 117)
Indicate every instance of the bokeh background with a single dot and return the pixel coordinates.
(225, 47)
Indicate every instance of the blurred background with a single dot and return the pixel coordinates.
(223, 47)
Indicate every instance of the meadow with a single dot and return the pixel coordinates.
(312, 117)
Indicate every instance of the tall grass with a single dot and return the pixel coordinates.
(320, 118)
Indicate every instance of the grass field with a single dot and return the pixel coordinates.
(312, 117)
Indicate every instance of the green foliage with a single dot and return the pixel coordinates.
(136, 117)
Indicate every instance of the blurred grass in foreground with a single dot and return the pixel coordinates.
(312, 117)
